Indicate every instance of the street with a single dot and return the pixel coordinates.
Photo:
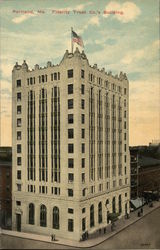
(144, 234)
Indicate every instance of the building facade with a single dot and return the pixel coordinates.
(134, 172)
(71, 164)
(5, 187)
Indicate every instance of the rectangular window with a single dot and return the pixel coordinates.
(70, 118)
(70, 73)
(70, 225)
(83, 104)
(70, 104)
(18, 96)
(125, 136)
(18, 83)
(18, 203)
(19, 161)
(83, 177)
(70, 177)
(70, 133)
(83, 224)
(83, 148)
(82, 89)
(70, 89)
(70, 163)
(18, 148)
(125, 114)
(19, 174)
(83, 133)
(19, 109)
(83, 210)
(18, 187)
(125, 91)
(42, 78)
(125, 147)
(84, 192)
(70, 192)
(83, 162)
(125, 125)
(19, 122)
(18, 135)
(71, 148)
(83, 118)
(70, 210)
(55, 76)
(82, 73)
(125, 158)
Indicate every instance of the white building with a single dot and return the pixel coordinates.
(70, 147)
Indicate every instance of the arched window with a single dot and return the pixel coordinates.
(100, 212)
(114, 205)
(56, 217)
(120, 203)
(43, 216)
(92, 216)
(31, 213)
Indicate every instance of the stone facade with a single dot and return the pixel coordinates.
(86, 122)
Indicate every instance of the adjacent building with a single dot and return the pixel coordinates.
(6, 187)
(71, 164)
(134, 172)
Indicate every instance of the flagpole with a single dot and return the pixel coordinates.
(71, 40)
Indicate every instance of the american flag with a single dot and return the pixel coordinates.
(77, 39)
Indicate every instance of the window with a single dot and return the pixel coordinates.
(19, 109)
(18, 83)
(70, 89)
(19, 161)
(70, 148)
(70, 192)
(70, 73)
(18, 148)
(125, 136)
(43, 216)
(83, 133)
(120, 204)
(82, 89)
(19, 122)
(83, 177)
(82, 73)
(84, 192)
(125, 125)
(125, 170)
(83, 224)
(31, 213)
(83, 148)
(18, 187)
(70, 104)
(70, 210)
(114, 205)
(18, 96)
(19, 174)
(58, 75)
(70, 133)
(42, 78)
(92, 216)
(55, 76)
(83, 162)
(70, 225)
(70, 177)
(18, 135)
(125, 147)
(125, 194)
(83, 118)
(70, 118)
(100, 212)
(18, 203)
(56, 217)
(70, 163)
(125, 103)
(82, 103)
(125, 114)
(125, 91)
(83, 210)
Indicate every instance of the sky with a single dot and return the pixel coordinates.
(39, 31)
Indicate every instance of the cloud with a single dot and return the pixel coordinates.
(135, 55)
(22, 18)
(82, 6)
(129, 9)
(94, 21)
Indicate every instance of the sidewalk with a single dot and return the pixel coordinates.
(120, 225)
